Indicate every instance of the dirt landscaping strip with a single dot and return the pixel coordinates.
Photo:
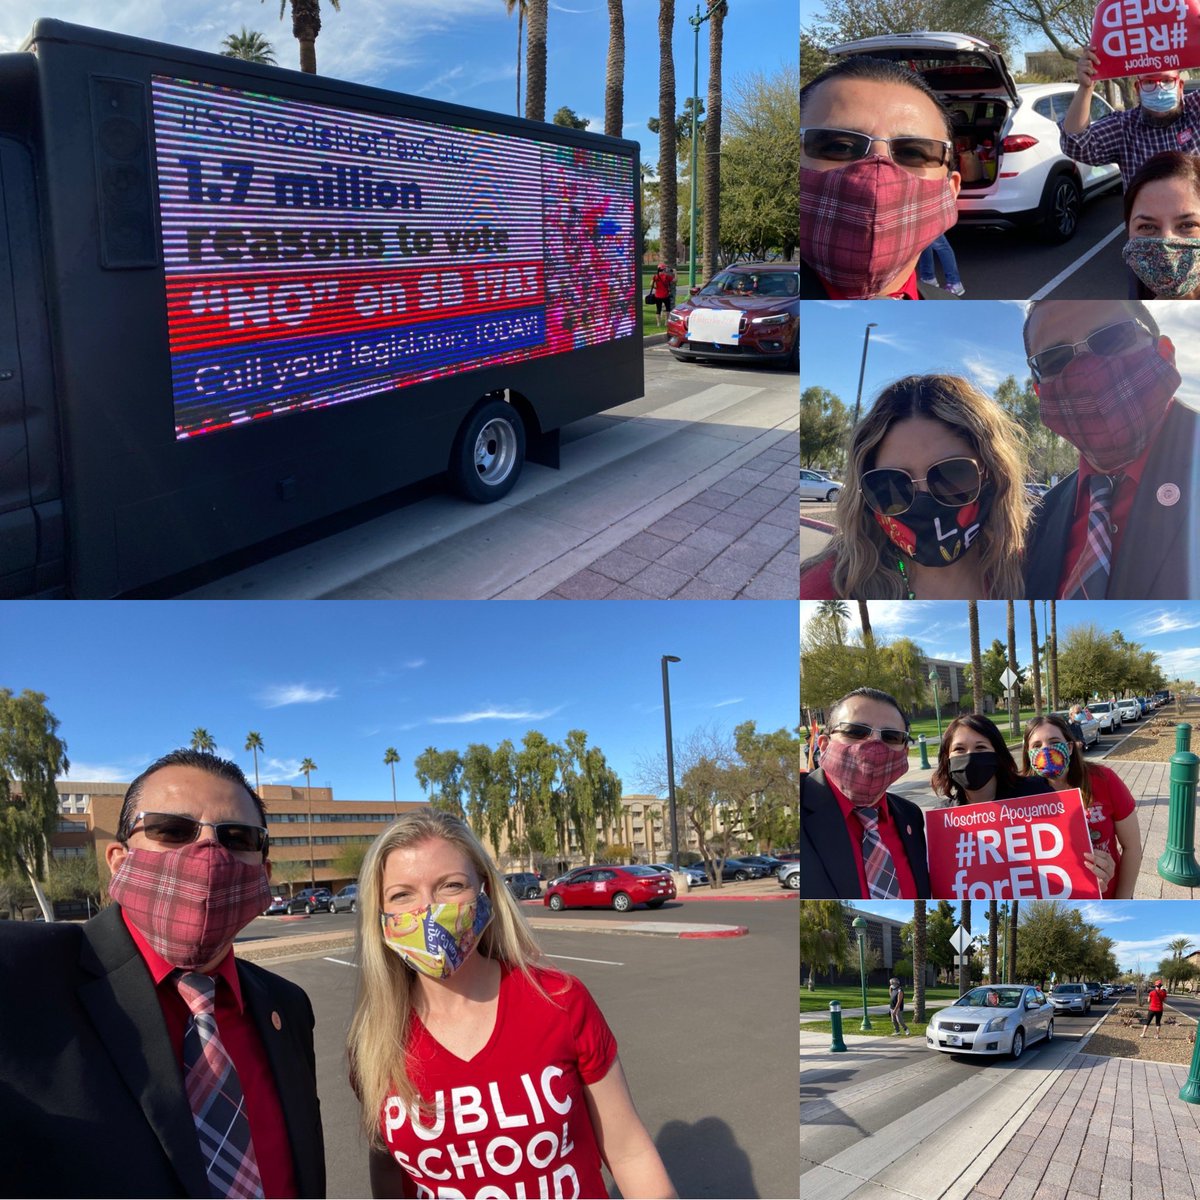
(1155, 740)
(1116, 1039)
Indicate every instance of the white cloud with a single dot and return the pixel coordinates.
(1163, 621)
(727, 703)
(1099, 913)
(281, 694)
(985, 374)
(117, 771)
(1181, 663)
(495, 714)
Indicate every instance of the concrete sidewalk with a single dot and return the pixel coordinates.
(1060, 1124)
(1150, 784)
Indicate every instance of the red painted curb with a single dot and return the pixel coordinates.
(819, 526)
(732, 931)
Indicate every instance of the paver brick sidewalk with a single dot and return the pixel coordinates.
(1107, 1128)
(735, 539)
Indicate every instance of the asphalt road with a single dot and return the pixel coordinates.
(706, 1035)
(999, 264)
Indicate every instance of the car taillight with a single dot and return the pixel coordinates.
(1020, 141)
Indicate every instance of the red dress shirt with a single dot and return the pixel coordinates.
(889, 835)
(241, 1039)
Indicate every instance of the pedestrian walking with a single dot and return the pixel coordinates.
(662, 287)
(896, 1008)
(1156, 1000)
(940, 251)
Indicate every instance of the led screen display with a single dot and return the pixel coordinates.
(316, 255)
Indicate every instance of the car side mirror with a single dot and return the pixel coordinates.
(693, 289)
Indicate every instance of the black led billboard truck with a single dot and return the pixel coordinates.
(235, 300)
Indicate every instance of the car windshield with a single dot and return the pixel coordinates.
(753, 283)
(991, 997)
(1067, 989)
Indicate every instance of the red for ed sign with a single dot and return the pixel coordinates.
(1030, 848)
(1139, 37)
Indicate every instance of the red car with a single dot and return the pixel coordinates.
(610, 887)
(747, 312)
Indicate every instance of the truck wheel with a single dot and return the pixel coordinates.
(1062, 202)
(488, 452)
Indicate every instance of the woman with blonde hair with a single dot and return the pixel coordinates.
(934, 505)
(478, 1070)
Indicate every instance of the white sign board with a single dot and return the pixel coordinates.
(960, 939)
(1008, 678)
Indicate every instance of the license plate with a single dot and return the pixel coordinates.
(953, 1039)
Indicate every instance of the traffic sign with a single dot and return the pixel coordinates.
(960, 939)
(1008, 678)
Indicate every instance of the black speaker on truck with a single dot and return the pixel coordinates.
(121, 145)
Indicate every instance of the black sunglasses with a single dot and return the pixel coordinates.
(952, 482)
(857, 732)
(173, 829)
(847, 145)
(1109, 341)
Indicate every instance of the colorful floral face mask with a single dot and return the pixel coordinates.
(436, 940)
(1169, 267)
(1050, 761)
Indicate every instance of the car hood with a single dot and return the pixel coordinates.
(971, 1015)
(949, 62)
(759, 305)
(1066, 997)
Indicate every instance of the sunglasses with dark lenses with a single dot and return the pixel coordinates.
(1109, 341)
(172, 829)
(952, 482)
(846, 145)
(859, 733)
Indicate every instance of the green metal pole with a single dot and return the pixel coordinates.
(838, 1045)
(937, 708)
(924, 746)
(1177, 864)
(862, 975)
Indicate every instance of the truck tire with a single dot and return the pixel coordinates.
(488, 452)
(1062, 202)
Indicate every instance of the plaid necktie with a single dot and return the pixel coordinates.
(215, 1094)
(882, 883)
(1089, 580)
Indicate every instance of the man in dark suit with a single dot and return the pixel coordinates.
(857, 840)
(102, 1039)
(1123, 525)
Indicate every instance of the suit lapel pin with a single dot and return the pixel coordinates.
(908, 830)
(1168, 494)
(275, 1020)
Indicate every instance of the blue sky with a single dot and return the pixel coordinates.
(463, 51)
(339, 682)
(1141, 929)
(940, 628)
(980, 340)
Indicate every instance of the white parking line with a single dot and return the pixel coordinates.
(341, 962)
(1068, 271)
(602, 961)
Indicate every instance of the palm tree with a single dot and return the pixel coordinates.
(306, 24)
(1054, 701)
(203, 740)
(712, 143)
(254, 743)
(1179, 946)
(307, 767)
(836, 611)
(864, 619)
(250, 46)
(520, 6)
(993, 938)
(390, 759)
(1011, 976)
(614, 77)
(1037, 673)
(1014, 695)
(535, 60)
(919, 939)
(976, 657)
(668, 195)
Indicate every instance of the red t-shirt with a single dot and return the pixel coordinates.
(241, 1039)
(1112, 801)
(513, 1121)
(1156, 998)
(817, 582)
(889, 835)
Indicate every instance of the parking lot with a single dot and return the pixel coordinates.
(706, 1031)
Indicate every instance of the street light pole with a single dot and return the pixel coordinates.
(862, 368)
(937, 708)
(859, 925)
(670, 658)
(695, 22)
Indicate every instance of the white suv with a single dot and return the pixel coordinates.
(1025, 178)
(1129, 709)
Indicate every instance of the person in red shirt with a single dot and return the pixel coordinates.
(1155, 1001)
(481, 1073)
(107, 1033)
(663, 287)
(1122, 526)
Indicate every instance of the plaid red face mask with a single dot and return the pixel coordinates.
(1109, 407)
(863, 771)
(862, 223)
(189, 903)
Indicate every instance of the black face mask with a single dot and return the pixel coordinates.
(936, 536)
(972, 771)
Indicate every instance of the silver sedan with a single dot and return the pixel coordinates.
(816, 487)
(1001, 1018)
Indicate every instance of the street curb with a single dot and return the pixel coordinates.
(819, 526)
(728, 931)
(654, 339)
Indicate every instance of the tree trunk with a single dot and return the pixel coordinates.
(1012, 942)
(614, 78)
(308, 55)
(535, 61)
(919, 916)
(712, 144)
(864, 619)
(38, 894)
(976, 657)
(993, 939)
(1037, 673)
(668, 198)
(1054, 700)
(520, 41)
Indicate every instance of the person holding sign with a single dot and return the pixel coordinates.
(857, 840)
(1123, 526)
(877, 180)
(1165, 119)
(1162, 223)
(1052, 751)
